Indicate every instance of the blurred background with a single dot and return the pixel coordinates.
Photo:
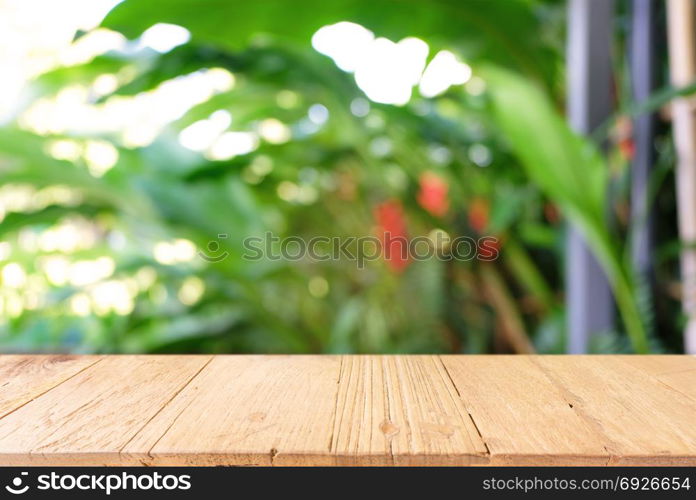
(137, 135)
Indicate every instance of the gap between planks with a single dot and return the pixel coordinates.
(176, 393)
(39, 394)
(401, 410)
(468, 412)
(368, 390)
(391, 379)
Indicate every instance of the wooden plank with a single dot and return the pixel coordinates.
(402, 410)
(90, 417)
(522, 415)
(659, 365)
(363, 428)
(247, 410)
(25, 377)
(677, 372)
(350, 410)
(643, 420)
(683, 382)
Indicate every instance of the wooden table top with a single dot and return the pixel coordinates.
(347, 410)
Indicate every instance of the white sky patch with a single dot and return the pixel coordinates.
(360, 107)
(111, 296)
(100, 156)
(137, 119)
(390, 70)
(37, 35)
(105, 84)
(191, 290)
(480, 155)
(348, 44)
(90, 45)
(13, 275)
(386, 70)
(201, 134)
(26, 198)
(65, 149)
(318, 114)
(274, 131)
(86, 272)
(163, 37)
(231, 144)
(173, 252)
(442, 72)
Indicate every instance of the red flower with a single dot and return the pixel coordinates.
(478, 214)
(432, 195)
(392, 232)
(627, 148)
(623, 136)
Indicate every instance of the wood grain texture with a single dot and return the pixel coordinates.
(247, 410)
(523, 417)
(659, 365)
(402, 410)
(347, 410)
(23, 378)
(90, 417)
(676, 372)
(638, 419)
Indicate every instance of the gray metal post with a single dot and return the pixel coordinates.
(642, 61)
(589, 300)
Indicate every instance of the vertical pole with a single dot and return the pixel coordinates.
(681, 16)
(642, 61)
(589, 299)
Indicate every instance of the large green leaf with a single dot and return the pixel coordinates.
(503, 31)
(571, 172)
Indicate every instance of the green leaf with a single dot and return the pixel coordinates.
(503, 31)
(570, 170)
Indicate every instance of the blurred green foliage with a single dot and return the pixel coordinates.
(500, 146)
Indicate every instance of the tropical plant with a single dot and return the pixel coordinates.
(300, 151)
